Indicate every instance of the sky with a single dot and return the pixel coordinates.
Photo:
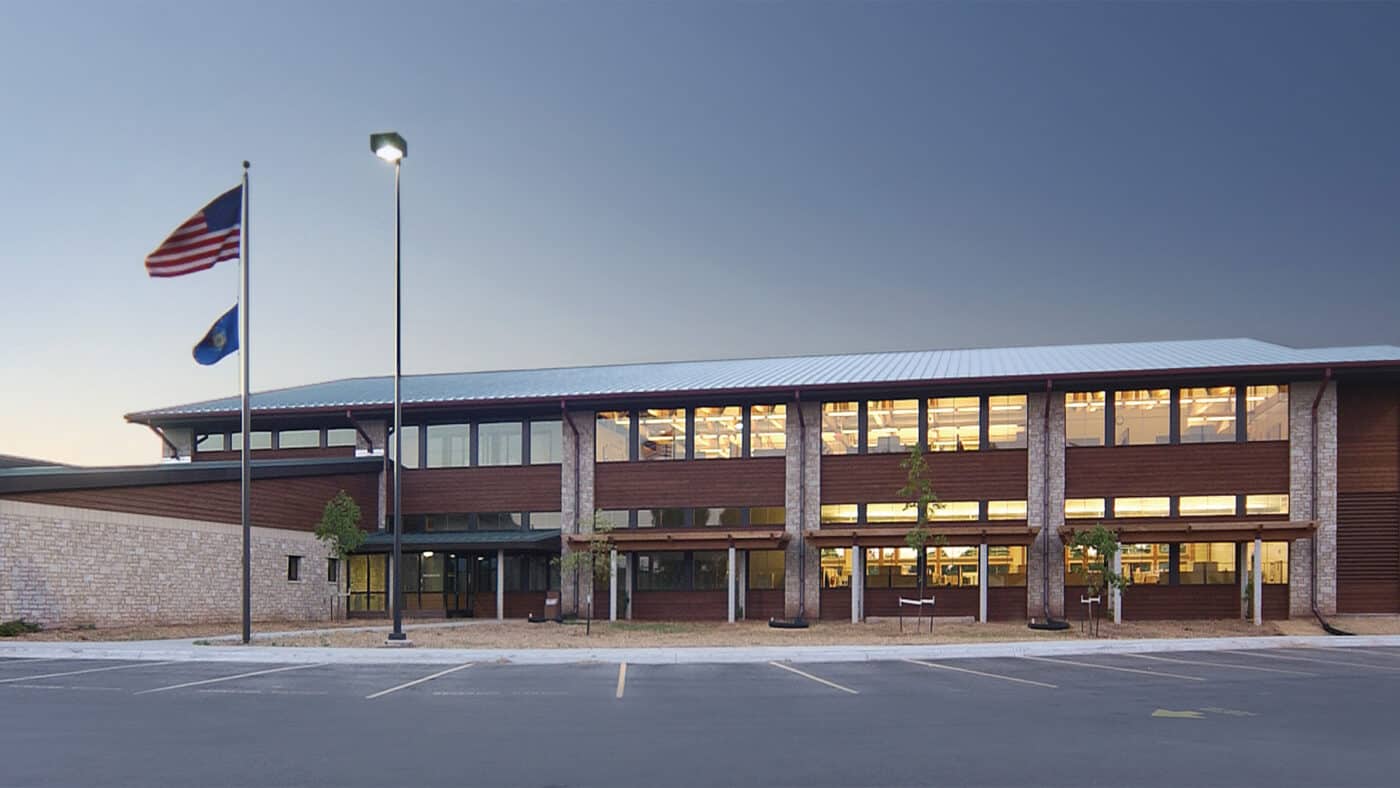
(612, 182)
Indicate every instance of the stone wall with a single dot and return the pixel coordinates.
(1300, 498)
(576, 501)
(1038, 486)
(61, 566)
(796, 518)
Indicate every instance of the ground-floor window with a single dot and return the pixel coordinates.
(1208, 563)
(367, 582)
(1146, 564)
(836, 567)
(1006, 566)
(1275, 561)
(766, 569)
(1186, 563)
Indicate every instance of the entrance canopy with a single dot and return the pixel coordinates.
(638, 540)
(886, 536)
(466, 541)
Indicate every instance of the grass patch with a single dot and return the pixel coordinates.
(18, 627)
(658, 627)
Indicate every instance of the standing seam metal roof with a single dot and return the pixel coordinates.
(790, 372)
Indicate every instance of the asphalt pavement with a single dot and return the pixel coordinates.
(1283, 717)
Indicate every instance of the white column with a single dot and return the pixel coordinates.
(1117, 591)
(733, 572)
(500, 585)
(857, 583)
(982, 583)
(612, 585)
(1242, 554)
(1258, 580)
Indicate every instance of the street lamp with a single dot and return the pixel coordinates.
(391, 147)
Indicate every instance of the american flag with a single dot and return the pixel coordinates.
(210, 236)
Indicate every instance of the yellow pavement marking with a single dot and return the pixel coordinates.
(1219, 664)
(88, 670)
(1180, 715)
(980, 673)
(1264, 653)
(1115, 667)
(817, 679)
(229, 678)
(416, 682)
(621, 679)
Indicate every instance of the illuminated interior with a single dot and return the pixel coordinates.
(1275, 568)
(768, 430)
(719, 432)
(1266, 504)
(841, 513)
(1266, 413)
(840, 428)
(878, 513)
(891, 425)
(1006, 510)
(836, 567)
(1006, 421)
(1084, 418)
(953, 423)
(1142, 507)
(661, 434)
(1142, 417)
(612, 434)
(955, 510)
(1208, 414)
(1206, 505)
(1145, 564)
(1080, 508)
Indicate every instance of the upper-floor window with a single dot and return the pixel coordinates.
(449, 446)
(1266, 413)
(767, 430)
(840, 427)
(209, 442)
(767, 515)
(1006, 421)
(891, 512)
(1206, 505)
(1084, 418)
(410, 447)
(546, 442)
(840, 513)
(1142, 417)
(256, 440)
(341, 436)
(612, 436)
(299, 439)
(954, 423)
(1208, 414)
(498, 443)
(1006, 510)
(661, 434)
(1083, 508)
(891, 425)
(540, 521)
(1266, 504)
(956, 510)
(719, 432)
(1142, 507)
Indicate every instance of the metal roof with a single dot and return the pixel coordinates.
(35, 479)
(788, 373)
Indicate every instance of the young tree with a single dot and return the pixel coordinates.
(1100, 545)
(339, 530)
(919, 486)
(593, 559)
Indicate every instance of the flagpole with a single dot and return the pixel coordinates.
(246, 486)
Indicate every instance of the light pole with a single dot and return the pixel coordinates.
(391, 147)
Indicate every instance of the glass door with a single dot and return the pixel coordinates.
(457, 585)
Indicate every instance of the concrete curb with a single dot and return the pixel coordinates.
(186, 651)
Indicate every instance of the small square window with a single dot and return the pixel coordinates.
(332, 570)
(293, 567)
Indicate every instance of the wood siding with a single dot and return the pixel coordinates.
(528, 488)
(1368, 498)
(1006, 603)
(1182, 602)
(639, 485)
(884, 602)
(519, 604)
(290, 503)
(836, 604)
(763, 604)
(1185, 469)
(1368, 438)
(680, 605)
(957, 476)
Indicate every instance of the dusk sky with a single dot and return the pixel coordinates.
(611, 182)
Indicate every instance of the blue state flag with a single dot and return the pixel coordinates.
(221, 340)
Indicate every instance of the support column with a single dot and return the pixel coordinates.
(612, 584)
(802, 502)
(1117, 593)
(576, 503)
(744, 585)
(1045, 504)
(982, 583)
(857, 584)
(500, 585)
(1258, 580)
(1300, 499)
(1242, 562)
(731, 576)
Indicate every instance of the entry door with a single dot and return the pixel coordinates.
(457, 585)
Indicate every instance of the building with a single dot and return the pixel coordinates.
(769, 487)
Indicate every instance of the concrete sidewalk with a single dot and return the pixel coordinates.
(186, 650)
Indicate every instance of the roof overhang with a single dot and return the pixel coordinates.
(463, 541)
(1220, 530)
(886, 536)
(699, 538)
(19, 480)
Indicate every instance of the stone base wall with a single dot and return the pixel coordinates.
(66, 567)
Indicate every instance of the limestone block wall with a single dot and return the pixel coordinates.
(62, 566)
(798, 519)
(1300, 498)
(1045, 479)
(576, 500)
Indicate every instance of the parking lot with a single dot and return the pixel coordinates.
(1277, 717)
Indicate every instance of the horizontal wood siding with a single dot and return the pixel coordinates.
(884, 602)
(634, 485)
(1368, 552)
(836, 604)
(290, 503)
(275, 454)
(680, 605)
(519, 604)
(1368, 438)
(1186, 469)
(1181, 602)
(1006, 603)
(957, 476)
(763, 604)
(1275, 601)
(529, 488)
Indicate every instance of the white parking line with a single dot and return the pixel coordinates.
(63, 687)
(817, 679)
(980, 673)
(232, 691)
(1355, 650)
(229, 678)
(1114, 667)
(1219, 664)
(416, 682)
(621, 679)
(88, 670)
(1271, 655)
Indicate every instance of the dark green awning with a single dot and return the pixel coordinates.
(542, 540)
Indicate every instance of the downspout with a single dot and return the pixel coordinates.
(1047, 622)
(1328, 628)
(573, 428)
(160, 433)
